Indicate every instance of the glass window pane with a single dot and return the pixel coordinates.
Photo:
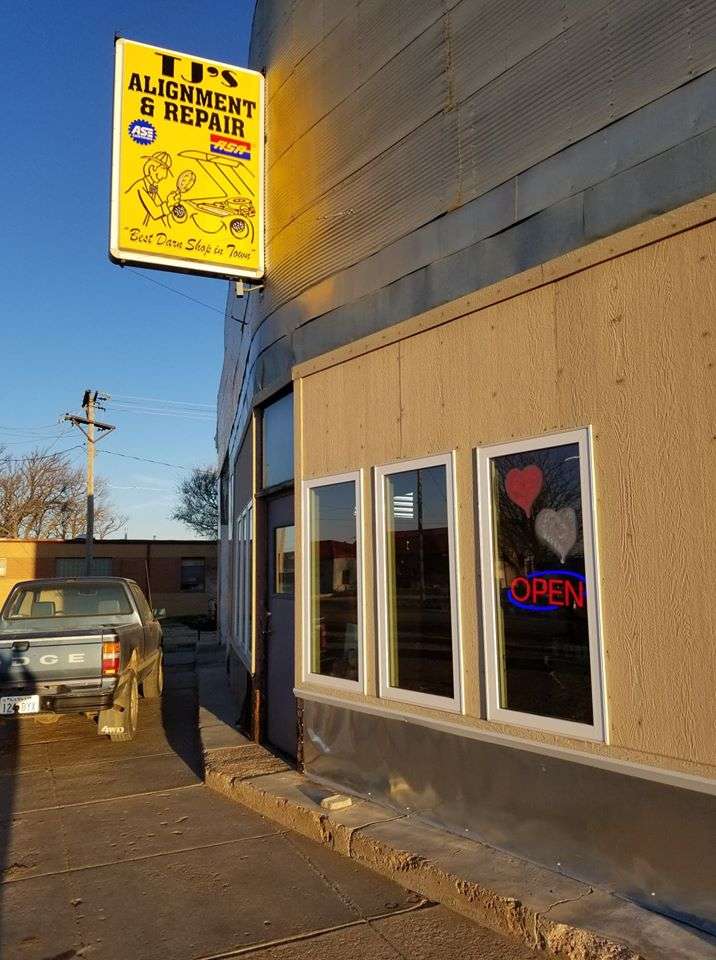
(334, 580)
(246, 624)
(145, 611)
(68, 600)
(193, 574)
(541, 592)
(238, 577)
(278, 441)
(243, 580)
(418, 575)
(284, 559)
(75, 567)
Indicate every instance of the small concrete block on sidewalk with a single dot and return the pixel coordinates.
(336, 801)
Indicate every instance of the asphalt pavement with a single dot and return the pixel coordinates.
(119, 852)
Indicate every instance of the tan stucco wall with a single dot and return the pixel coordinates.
(616, 335)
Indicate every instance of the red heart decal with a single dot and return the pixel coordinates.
(523, 486)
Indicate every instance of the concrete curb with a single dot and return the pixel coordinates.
(544, 910)
(255, 778)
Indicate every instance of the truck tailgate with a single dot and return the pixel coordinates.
(27, 660)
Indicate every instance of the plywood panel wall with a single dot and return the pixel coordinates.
(624, 346)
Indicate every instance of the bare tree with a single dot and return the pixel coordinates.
(198, 505)
(43, 497)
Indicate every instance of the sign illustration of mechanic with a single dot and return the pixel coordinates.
(226, 210)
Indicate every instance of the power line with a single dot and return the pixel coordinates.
(118, 486)
(173, 403)
(37, 440)
(43, 456)
(176, 414)
(37, 426)
(179, 293)
(129, 456)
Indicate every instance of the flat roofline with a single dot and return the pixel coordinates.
(79, 543)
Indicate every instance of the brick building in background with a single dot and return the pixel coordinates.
(177, 575)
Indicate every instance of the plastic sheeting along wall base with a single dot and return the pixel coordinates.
(644, 840)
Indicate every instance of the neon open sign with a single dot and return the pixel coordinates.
(548, 590)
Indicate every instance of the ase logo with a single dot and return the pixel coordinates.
(142, 132)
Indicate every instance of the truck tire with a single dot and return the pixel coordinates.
(153, 683)
(126, 728)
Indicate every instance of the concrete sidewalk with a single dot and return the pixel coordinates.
(119, 851)
(535, 907)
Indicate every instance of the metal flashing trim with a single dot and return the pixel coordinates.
(693, 214)
(672, 778)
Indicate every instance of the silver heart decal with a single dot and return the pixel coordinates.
(557, 529)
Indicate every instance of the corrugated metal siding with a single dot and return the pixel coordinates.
(325, 156)
(524, 80)
(383, 116)
(603, 68)
(383, 200)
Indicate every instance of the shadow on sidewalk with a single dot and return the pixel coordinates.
(199, 711)
(180, 701)
(9, 770)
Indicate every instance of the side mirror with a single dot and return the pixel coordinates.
(159, 613)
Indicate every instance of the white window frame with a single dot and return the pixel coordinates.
(596, 730)
(242, 582)
(230, 502)
(308, 676)
(452, 704)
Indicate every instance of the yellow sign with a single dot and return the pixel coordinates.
(187, 163)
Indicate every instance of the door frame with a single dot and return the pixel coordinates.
(263, 594)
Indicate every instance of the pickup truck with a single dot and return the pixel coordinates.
(79, 645)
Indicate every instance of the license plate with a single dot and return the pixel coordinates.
(14, 705)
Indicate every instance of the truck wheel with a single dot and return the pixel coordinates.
(130, 714)
(153, 683)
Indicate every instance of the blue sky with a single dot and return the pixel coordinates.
(70, 318)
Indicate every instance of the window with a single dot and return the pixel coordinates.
(145, 611)
(75, 566)
(277, 446)
(284, 559)
(68, 600)
(243, 595)
(418, 618)
(193, 574)
(332, 578)
(224, 494)
(538, 568)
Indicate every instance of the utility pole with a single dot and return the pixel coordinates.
(89, 404)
